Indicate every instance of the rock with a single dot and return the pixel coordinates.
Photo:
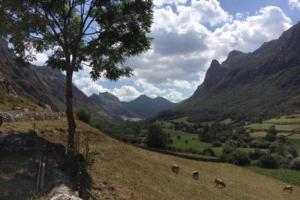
(62, 192)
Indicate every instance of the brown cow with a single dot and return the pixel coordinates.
(195, 175)
(220, 183)
(175, 168)
(288, 188)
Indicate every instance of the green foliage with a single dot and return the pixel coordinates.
(295, 164)
(268, 161)
(209, 152)
(271, 134)
(232, 155)
(156, 137)
(83, 116)
(95, 32)
(217, 144)
(256, 154)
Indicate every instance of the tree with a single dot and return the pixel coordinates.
(156, 137)
(84, 116)
(99, 34)
(271, 134)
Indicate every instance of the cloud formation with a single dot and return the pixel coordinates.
(295, 4)
(187, 35)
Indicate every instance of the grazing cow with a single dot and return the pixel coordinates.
(195, 175)
(220, 183)
(288, 188)
(175, 169)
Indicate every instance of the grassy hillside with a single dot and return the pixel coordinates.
(122, 171)
(8, 103)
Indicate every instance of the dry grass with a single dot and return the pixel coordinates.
(126, 172)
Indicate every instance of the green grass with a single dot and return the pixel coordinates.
(285, 175)
(182, 120)
(192, 139)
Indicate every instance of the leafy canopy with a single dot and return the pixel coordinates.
(96, 33)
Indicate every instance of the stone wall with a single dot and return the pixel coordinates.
(15, 116)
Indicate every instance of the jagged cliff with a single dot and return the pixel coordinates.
(255, 85)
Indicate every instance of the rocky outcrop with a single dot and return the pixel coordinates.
(6, 87)
(63, 192)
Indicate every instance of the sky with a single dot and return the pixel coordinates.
(187, 36)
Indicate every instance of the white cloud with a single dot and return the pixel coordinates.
(160, 3)
(187, 36)
(295, 4)
(174, 96)
(126, 93)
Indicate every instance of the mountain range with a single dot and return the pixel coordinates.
(246, 86)
(46, 88)
(250, 86)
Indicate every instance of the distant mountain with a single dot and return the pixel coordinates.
(46, 88)
(147, 107)
(111, 104)
(255, 85)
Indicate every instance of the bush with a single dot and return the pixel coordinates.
(271, 134)
(295, 164)
(256, 154)
(239, 158)
(156, 137)
(268, 161)
(83, 116)
(209, 152)
(217, 144)
(259, 144)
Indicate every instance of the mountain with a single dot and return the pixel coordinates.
(111, 104)
(45, 88)
(147, 107)
(255, 85)
(41, 86)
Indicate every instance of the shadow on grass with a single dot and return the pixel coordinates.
(19, 158)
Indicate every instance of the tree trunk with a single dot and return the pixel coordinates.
(70, 111)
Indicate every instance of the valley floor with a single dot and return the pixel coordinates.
(124, 172)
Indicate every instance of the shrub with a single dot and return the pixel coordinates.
(256, 154)
(268, 161)
(239, 158)
(156, 137)
(217, 144)
(271, 134)
(83, 116)
(259, 144)
(295, 164)
(209, 152)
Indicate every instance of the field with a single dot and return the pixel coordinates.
(285, 175)
(124, 172)
(288, 125)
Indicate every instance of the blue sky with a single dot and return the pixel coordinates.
(188, 34)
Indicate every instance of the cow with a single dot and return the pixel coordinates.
(195, 175)
(220, 183)
(288, 188)
(175, 168)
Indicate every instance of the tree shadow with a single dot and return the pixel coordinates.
(20, 155)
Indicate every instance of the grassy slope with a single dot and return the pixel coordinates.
(126, 172)
(8, 103)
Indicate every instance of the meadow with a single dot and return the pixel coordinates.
(123, 171)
